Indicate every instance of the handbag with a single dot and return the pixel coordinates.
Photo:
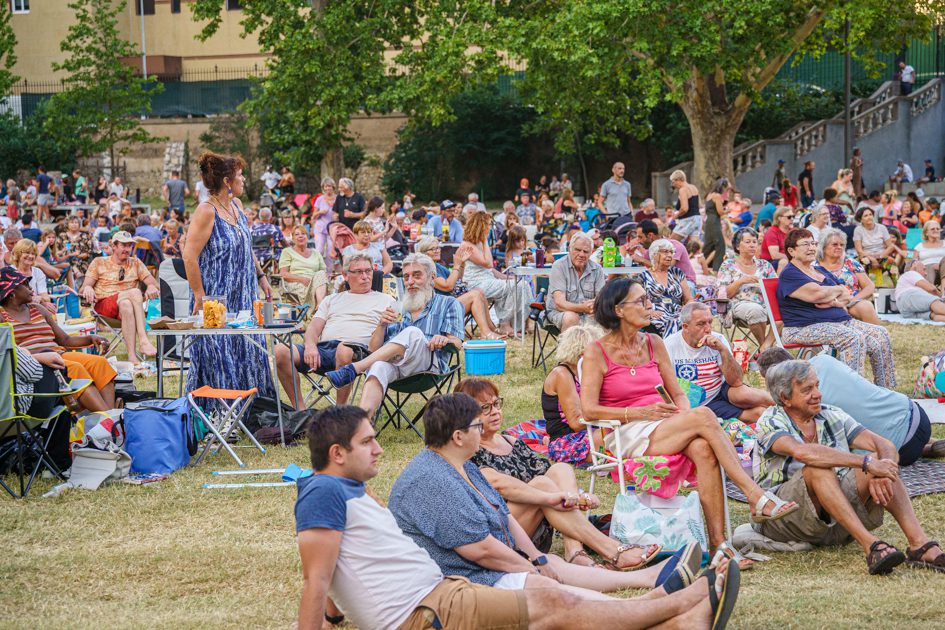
(930, 383)
(91, 466)
(160, 435)
(673, 527)
(262, 421)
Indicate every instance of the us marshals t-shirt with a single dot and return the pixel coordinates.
(702, 366)
(381, 574)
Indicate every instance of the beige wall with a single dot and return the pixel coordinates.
(39, 32)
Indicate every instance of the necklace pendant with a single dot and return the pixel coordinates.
(633, 372)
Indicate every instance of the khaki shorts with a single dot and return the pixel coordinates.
(804, 525)
(458, 604)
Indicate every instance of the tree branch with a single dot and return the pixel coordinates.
(767, 73)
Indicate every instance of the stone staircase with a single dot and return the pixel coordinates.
(886, 126)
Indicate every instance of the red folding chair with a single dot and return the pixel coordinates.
(770, 295)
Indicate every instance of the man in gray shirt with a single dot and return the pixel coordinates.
(175, 189)
(574, 283)
(616, 192)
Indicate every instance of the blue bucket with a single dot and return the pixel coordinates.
(72, 306)
(484, 357)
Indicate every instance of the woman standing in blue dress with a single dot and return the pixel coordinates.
(218, 258)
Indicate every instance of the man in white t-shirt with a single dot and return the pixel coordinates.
(906, 78)
(270, 179)
(703, 357)
(340, 331)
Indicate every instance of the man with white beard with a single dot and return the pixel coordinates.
(403, 348)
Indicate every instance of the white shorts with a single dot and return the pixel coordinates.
(417, 358)
(511, 582)
(44, 199)
(749, 312)
(690, 227)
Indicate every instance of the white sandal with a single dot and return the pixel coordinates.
(769, 497)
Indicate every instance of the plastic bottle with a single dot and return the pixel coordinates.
(610, 253)
(446, 232)
(71, 402)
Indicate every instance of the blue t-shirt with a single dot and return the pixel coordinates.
(435, 507)
(744, 219)
(442, 272)
(798, 313)
(456, 229)
(34, 234)
(766, 212)
(43, 180)
(882, 411)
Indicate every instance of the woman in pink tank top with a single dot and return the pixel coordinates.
(618, 382)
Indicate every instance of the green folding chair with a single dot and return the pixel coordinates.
(426, 385)
(23, 428)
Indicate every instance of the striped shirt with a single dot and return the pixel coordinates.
(36, 335)
(835, 428)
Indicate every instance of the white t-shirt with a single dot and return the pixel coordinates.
(202, 193)
(907, 282)
(352, 317)
(38, 282)
(270, 179)
(908, 74)
(118, 189)
(930, 255)
(702, 366)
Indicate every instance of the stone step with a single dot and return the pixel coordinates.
(931, 189)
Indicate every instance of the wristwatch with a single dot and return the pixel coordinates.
(540, 561)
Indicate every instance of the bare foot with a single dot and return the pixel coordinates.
(147, 349)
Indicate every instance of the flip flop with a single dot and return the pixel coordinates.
(777, 513)
(680, 570)
(723, 606)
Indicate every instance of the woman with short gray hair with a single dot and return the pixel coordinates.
(832, 256)
(666, 286)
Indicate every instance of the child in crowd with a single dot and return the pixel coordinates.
(103, 232)
(515, 253)
(551, 246)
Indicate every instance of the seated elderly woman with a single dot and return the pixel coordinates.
(23, 258)
(620, 375)
(449, 282)
(918, 298)
(874, 244)
(536, 490)
(304, 279)
(446, 505)
(813, 308)
(561, 398)
(741, 277)
(480, 274)
(832, 256)
(931, 251)
(666, 287)
(36, 330)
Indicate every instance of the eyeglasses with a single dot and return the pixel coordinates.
(495, 404)
(475, 425)
(640, 302)
(806, 244)
(361, 272)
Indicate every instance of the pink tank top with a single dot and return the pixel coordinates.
(621, 388)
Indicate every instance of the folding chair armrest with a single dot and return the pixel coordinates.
(601, 424)
(76, 386)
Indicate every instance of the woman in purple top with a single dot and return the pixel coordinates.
(813, 308)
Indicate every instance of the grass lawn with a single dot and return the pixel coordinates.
(173, 555)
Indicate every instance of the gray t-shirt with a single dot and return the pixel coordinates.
(564, 278)
(175, 192)
(616, 196)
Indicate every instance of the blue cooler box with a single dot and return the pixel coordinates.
(484, 356)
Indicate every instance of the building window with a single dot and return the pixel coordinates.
(146, 5)
(232, 5)
(19, 6)
(175, 6)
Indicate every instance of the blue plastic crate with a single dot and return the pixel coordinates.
(484, 356)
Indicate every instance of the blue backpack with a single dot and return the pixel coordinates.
(160, 435)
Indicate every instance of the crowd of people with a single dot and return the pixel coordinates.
(465, 541)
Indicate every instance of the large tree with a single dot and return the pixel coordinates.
(104, 99)
(594, 68)
(7, 51)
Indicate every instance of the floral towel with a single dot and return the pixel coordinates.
(533, 433)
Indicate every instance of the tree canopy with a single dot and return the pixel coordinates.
(594, 68)
(7, 51)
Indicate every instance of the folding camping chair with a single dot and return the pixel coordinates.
(150, 256)
(225, 423)
(22, 428)
(732, 328)
(545, 337)
(400, 392)
(770, 296)
(267, 263)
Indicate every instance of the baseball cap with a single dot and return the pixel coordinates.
(447, 203)
(780, 161)
(122, 237)
(932, 200)
(10, 279)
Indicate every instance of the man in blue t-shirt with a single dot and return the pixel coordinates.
(447, 216)
(883, 411)
(353, 551)
(767, 210)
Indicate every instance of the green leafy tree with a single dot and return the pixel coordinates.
(7, 51)
(233, 134)
(103, 100)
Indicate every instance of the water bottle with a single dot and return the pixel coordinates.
(70, 400)
(537, 306)
(610, 253)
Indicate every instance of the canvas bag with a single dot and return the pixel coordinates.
(636, 523)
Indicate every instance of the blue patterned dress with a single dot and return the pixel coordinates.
(227, 268)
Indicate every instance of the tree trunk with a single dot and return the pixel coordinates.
(333, 164)
(713, 123)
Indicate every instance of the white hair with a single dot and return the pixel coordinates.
(580, 236)
(659, 245)
(473, 197)
(425, 244)
(689, 310)
(346, 182)
(780, 378)
(424, 261)
(648, 202)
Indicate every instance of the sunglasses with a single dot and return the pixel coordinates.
(121, 274)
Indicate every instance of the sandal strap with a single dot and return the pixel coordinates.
(765, 499)
(916, 554)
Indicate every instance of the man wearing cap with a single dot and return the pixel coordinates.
(448, 216)
(111, 285)
(779, 175)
